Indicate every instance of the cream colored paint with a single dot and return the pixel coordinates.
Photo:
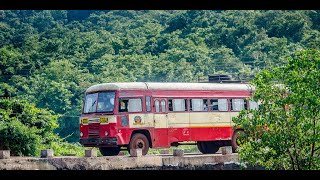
(178, 119)
(205, 119)
(194, 119)
(160, 120)
(146, 120)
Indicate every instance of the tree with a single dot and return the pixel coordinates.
(284, 133)
(24, 129)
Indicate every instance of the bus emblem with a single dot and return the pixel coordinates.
(138, 120)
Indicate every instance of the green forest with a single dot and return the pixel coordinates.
(49, 57)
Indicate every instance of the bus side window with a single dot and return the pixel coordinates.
(163, 105)
(157, 106)
(148, 103)
(130, 105)
(223, 104)
(198, 105)
(135, 105)
(123, 105)
(214, 104)
(180, 105)
(170, 105)
(237, 104)
(245, 104)
(253, 105)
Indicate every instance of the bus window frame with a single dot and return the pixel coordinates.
(187, 103)
(229, 103)
(153, 107)
(135, 97)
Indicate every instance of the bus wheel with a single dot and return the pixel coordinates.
(208, 147)
(139, 141)
(200, 147)
(109, 151)
(211, 147)
(237, 139)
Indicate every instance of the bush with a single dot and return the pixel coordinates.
(26, 130)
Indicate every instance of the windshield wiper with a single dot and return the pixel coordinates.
(94, 102)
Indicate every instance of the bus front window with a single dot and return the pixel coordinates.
(106, 102)
(99, 102)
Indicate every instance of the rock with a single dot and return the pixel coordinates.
(4, 154)
(178, 152)
(90, 153)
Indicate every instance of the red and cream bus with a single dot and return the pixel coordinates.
(159, 115)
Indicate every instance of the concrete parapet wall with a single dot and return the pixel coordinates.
(213, 161)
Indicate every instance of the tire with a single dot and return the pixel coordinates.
(109, 151)
(139, 141)
(208, 147)
(200, 147)
(235, 141)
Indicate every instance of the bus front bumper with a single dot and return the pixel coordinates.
(98, 142)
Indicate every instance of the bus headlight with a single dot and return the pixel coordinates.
(81, 134)
(106, 133)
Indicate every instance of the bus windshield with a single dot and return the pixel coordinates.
(99, 102)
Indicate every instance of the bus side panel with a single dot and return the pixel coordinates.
(179, 134)
(160, 139)
(211, 133)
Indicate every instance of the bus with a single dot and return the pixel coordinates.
(144, 115)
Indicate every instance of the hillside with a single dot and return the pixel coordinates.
(51, 57)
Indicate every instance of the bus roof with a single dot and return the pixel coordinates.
(169, 86)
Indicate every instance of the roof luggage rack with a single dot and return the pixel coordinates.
(221, 78)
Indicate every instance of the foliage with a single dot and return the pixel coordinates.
(26, 130)
(284, 133)
(49, 57)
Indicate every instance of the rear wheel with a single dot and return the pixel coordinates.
(199, 145)
(208, 147)
(109, 151)
(237, 139)
(139, 141)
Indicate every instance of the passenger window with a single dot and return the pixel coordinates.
(214, 104)
(253, 105)
(157, 106)
(178, 105)
(198, 105)
(237, 104)
(123, 105)
(148, 103)
(170, 107)
(245, 104)
(163, 106)
(130, 105)
(223, 104)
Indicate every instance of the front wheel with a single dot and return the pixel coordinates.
(139, 141)
(109, 151)
(237, 139)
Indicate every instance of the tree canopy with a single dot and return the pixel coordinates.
(49, 57)
(284, 133)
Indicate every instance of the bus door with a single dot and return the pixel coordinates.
(160, 119)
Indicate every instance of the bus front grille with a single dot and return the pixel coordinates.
(94, 130)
